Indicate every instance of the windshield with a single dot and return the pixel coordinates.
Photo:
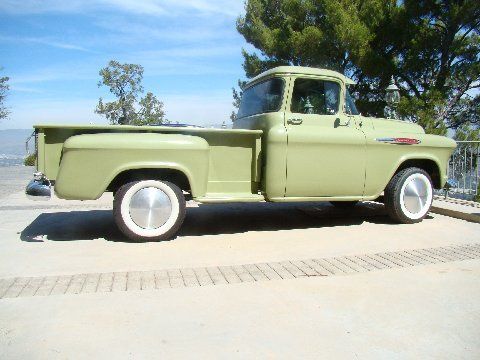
(261, 98)
(350, 107)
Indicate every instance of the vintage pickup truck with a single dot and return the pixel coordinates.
(298, 137)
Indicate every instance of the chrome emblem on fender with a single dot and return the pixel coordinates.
(399, 141)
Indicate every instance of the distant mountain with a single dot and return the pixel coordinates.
(12, 142)
(12, 146)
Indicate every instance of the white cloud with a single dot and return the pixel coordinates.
(121, 29)
(38, 7)
(153, 67)
(225, 7)
(55, 73)
(176, 66)
(149, 7)
(44, 41)
(56, 44)
(24, 89)
(187, 60)
(204, 51)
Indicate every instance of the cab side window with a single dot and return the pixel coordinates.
(312, 96)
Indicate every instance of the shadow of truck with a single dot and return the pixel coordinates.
(207, 220)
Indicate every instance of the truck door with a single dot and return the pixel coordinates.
(326, 153)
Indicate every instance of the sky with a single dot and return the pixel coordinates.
(52, 50)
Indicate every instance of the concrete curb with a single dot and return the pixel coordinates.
(455, 214)
(457, 201)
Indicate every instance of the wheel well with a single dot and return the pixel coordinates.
(429, 166)
(174, 176)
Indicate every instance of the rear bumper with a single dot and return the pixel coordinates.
(39, 188)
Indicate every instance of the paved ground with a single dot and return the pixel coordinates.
(240, 281)
(14, 179)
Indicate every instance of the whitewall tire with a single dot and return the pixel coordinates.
(149, 210)
(409, 196)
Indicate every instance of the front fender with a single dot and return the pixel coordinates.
(90, 162)
(420, 156)
(382, 168)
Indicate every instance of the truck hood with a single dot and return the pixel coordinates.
(396, 125)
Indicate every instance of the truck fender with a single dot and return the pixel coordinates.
(98, 158)
(416, 157)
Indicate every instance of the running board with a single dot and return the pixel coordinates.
(226, 198)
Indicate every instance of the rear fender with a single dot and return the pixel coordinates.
(90, 162)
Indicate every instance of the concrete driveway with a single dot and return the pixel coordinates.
(240, 281)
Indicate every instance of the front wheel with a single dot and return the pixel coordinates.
(409, 195)
(149, 210)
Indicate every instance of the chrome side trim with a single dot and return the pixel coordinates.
(399, 141)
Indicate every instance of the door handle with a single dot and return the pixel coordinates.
(338, 122)
(294, 121)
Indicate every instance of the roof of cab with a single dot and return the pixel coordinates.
(303, 71)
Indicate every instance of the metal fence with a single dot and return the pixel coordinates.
(463, 170)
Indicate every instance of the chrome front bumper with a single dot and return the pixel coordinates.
(39, 188)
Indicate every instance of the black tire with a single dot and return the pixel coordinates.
(125, 222)
(344, 204)
(396, 205)
(380, 199)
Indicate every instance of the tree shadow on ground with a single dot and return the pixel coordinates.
(207, 220)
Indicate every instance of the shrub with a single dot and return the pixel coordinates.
(30, 160)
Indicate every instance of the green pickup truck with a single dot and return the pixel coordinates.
(298, 137)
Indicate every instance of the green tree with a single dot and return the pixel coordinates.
(430, 47)
(30, 160)
(151, 111)
(3, 94)
(237, 98)
(125, 83)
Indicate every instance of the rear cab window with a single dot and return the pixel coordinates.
(263, 97)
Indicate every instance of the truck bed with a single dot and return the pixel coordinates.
(234, 154)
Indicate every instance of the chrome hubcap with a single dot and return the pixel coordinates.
(150, 208)
(415, 195)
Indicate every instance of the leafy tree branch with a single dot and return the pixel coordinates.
(125, 83)
(430, 47)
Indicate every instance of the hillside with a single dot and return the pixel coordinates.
(12, 146)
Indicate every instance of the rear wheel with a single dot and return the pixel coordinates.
(409, 195)
(149, 210)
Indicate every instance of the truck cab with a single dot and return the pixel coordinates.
(324, 148)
